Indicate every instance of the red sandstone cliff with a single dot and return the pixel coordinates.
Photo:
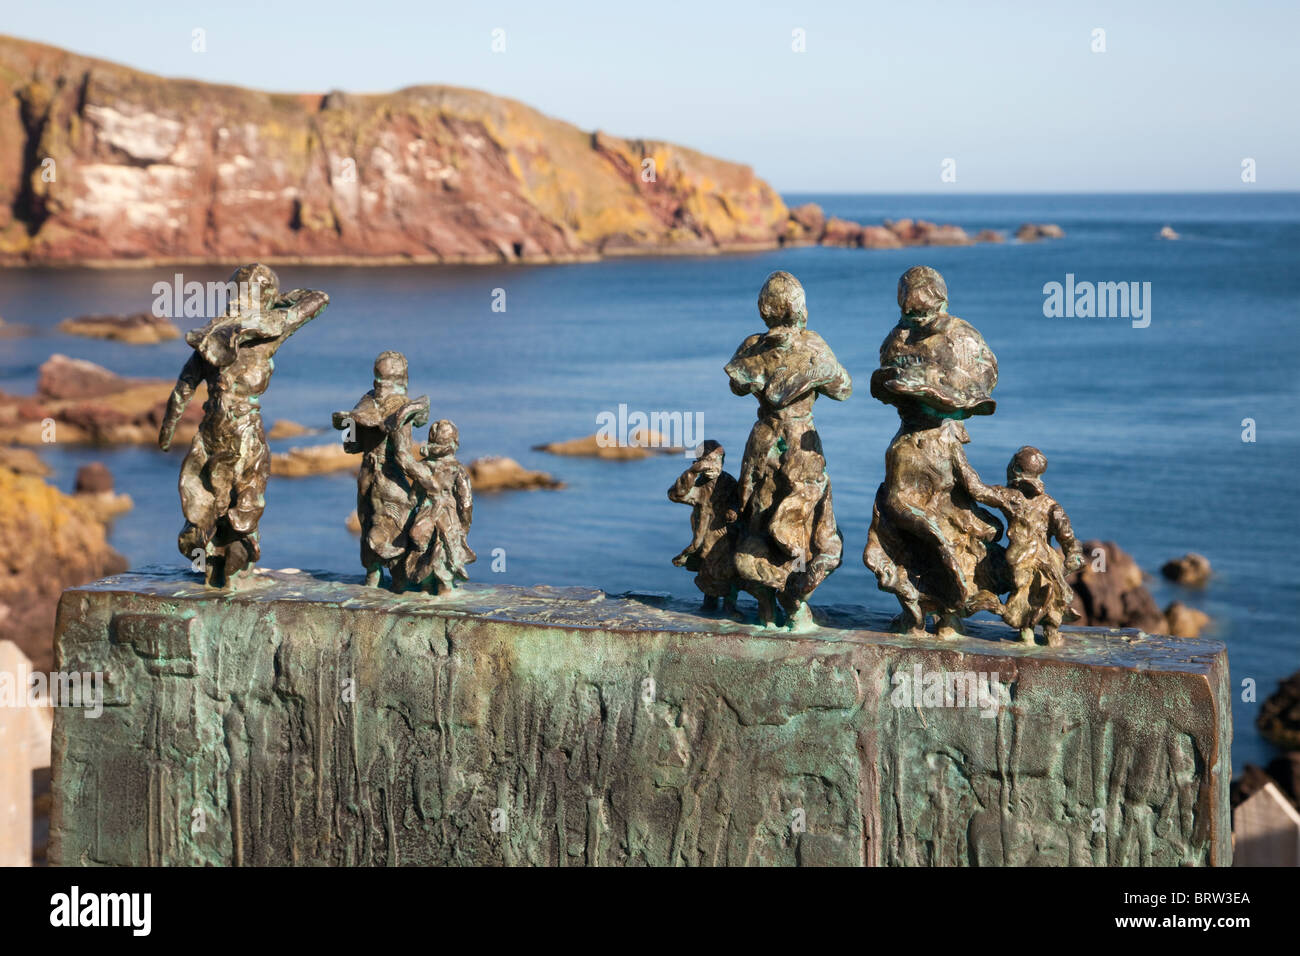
(100, 162)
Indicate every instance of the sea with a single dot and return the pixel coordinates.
(1167, 432)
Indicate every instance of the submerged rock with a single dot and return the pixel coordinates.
(1032, 232)
(315, 460)
(283, 428)
(640, 444)
(1279, 715)
(495, 473)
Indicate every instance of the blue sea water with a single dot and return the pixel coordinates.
(1143, 426)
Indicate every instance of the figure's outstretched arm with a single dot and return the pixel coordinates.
(1063, 532)
(992, 495)
(190, 378)
(298, 307)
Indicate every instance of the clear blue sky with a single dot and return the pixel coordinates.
(883, 94)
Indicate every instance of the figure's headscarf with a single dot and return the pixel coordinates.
(251, 293)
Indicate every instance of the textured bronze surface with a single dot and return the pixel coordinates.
(306, 720)
(788, 541)
(223, 478)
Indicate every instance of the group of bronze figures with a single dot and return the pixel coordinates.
(932, 543)
(414, 504)
(771, 532)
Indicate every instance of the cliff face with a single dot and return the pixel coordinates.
(99, 162)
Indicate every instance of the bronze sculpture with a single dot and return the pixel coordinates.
(444, 509)
(379, 429)
(787, 541)
(930, 544)
(223, 478)
(713, 497)
(415, 506)
(1039, 591)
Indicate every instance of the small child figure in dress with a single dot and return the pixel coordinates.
(712, 495)
(1039, 592)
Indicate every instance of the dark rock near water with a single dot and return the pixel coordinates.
(1192, 570)
(1279, 715)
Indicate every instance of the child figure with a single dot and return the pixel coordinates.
(1039, 593)
(440, 530)
(712, 495)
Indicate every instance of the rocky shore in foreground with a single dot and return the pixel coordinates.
(103, 165)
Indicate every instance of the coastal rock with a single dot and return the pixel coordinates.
(1109, 590)
(640, 444)
(84, 403)
(94, 487)
(93, 479)
(48, 541)
(989, 235)
(314, 460)
(140, 328)
(153, 169)
(806, 224)
(842, 232)
(496, 473)
(1279, 715)
(1184, 621)
(61, 377)
(1192, 570)
(878, 237)
(1032, 232)
(919, 232)
(1167, 232)
(23, 461)
(283, 428)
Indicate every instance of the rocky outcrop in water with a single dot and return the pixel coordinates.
(140, 328)
(79, 402)
(1110, 591)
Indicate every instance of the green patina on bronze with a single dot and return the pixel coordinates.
(314, 721)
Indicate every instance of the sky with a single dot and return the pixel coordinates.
(883, 97)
